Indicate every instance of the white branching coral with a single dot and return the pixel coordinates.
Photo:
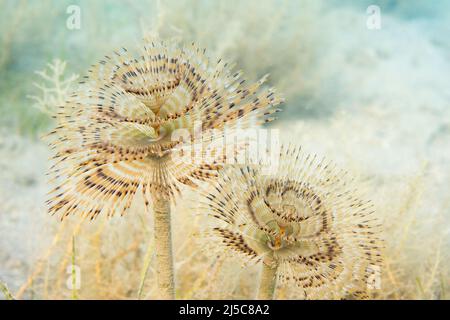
(54, 87)
(306, 223)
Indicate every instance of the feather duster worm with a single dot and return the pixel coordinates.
(115, 134)
(306, 224)
(119, 134)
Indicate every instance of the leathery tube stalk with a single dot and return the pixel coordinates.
(163, 245)
(267, 282)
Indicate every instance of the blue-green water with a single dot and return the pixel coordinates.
(35, 32)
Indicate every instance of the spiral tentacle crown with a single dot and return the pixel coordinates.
(114, 135)
(307, 219)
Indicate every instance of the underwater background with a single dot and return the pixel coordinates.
(372, 95)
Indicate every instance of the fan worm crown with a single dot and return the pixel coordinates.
(115, 134)
(307, 219)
